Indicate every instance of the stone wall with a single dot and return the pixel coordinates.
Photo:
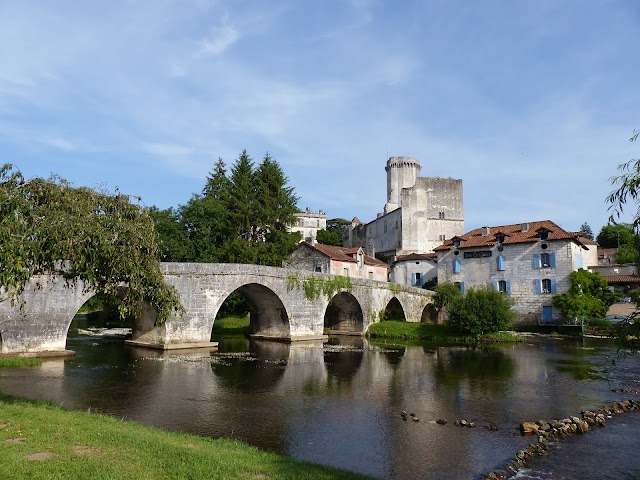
(404, 272)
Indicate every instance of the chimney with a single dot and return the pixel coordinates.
(524, 228)
(485, 231)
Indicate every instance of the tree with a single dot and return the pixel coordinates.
(99, 240)
(585, 231)
(481, 311)
(333, 233)
(173, 238)
(614, 236)
(588, 296)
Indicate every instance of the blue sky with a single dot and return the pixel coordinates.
(531, 103)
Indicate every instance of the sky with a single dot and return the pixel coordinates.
(530, 103)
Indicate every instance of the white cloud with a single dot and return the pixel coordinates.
(219, 39)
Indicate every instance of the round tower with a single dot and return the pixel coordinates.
(402, 172)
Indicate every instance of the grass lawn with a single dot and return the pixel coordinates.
(42, 441)
(231, 325)
(430, 332)
(14, 362)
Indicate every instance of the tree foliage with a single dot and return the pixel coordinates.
(614, 236)
(333, 233)
(481, 311)
(585, 231)
(588, 295)
(242, 216)
(98, 240)
(446, 293)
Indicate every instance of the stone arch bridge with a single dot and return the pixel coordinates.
(282, 307)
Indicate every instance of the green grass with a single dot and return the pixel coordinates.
(231, 325)
(88, 445)
(14, 362)
(430, 332)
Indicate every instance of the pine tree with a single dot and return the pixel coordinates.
(585, 231)
(242, 198)
(218, 184)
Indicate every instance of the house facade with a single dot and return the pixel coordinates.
(414, 270)
(530, 261)
(348, 262)
(308, 223)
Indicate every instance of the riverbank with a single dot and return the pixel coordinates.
(41, 441)
(430, 332)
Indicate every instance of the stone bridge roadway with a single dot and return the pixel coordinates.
(280, 309)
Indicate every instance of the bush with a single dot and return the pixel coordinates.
(481, 311)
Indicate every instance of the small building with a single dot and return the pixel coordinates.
(415, 269)
(348, 262)
(530, 261)
(308, 223)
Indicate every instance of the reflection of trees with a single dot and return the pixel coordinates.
(260, 367)
(342, 359)
(484, 369)
(394, 356)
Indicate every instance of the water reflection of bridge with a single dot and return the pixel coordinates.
(279, 308)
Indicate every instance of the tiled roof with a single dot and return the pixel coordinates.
(416, 256)
(621, 278)
(343, 254)
(607, 252)
(586, 241)
(512, 234)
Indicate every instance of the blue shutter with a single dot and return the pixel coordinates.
(538, 283)
(502, 264)
(552, 260)
(553, 286)
(462, 287)
(456, 265)
(509, 287)
(495, 285)
(536, 261)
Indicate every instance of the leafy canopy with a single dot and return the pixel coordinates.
(588, 295)
(98, 240)
(242, 216)
(481, 311)
(333, 233)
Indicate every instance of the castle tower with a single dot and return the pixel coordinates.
(402, 172)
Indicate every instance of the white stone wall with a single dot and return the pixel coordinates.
(402, 172)
(423, 206)
(482, 272)
(385, 233)
(404, 272)
(308, 223)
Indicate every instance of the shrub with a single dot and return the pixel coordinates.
(481, 311)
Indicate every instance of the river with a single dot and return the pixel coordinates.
(340, 403)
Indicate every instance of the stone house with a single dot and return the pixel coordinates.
(414, 270)
(531, 262)
(308, 223)
(420, 213)
(348, 262)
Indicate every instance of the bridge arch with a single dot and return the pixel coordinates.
(429, 314)
(394, 310)
(344, 314)
(267, 314)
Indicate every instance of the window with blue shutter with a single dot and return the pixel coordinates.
(462, 287)
(536, 261)
(552, 260)
(538, 285)
(495, 285)
(456, 265)
(509, 287)
(502, 263)
(553, 286)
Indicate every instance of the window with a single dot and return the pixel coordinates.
(385, 226)
(545, 286)
(318, 269)
(441, 215)
(441, 238)
(370, 275)
(456, 243)
(502, 286)
(317, 223)
(501, 263)
(456, 265)
(500, 238)
(345, 272)
(301, 222)
(416, 281)
(544, 260)
(460, 285)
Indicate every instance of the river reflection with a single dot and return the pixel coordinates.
(339, 403)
